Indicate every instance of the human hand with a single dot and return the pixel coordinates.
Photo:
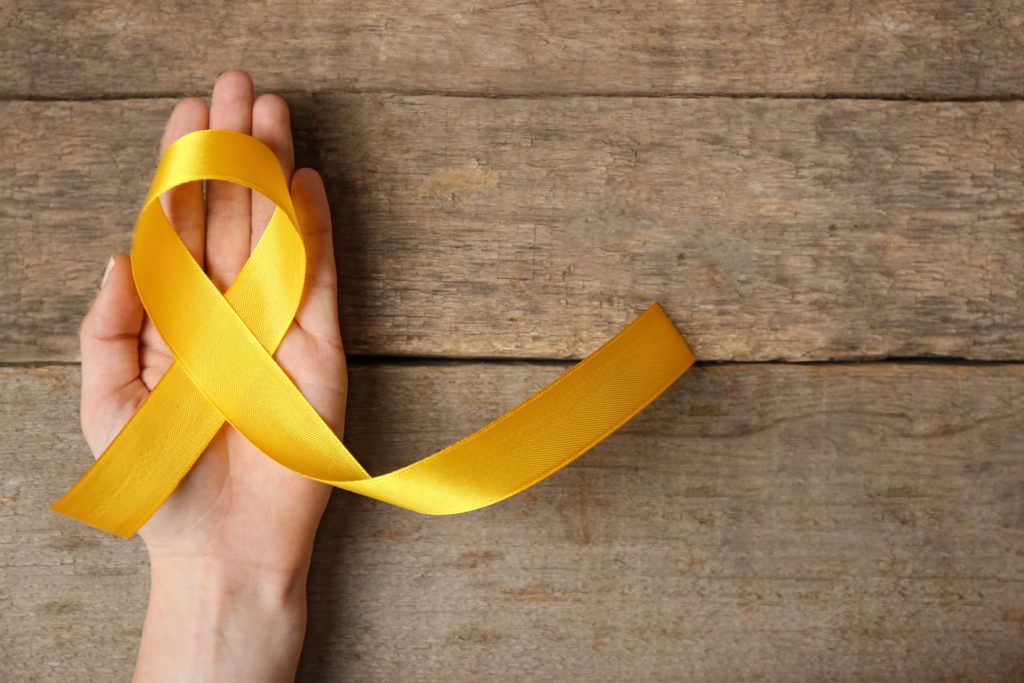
(231, 546)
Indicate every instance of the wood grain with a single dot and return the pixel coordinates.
(758, 522)
(930, 48)
(479, 227)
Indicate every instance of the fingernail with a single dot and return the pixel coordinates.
(106, 271)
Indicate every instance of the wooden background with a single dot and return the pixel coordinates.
(826, 198)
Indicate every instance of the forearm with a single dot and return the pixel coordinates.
(206, 622)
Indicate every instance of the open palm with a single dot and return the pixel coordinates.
(236, 505)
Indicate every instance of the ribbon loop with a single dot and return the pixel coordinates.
(224, 370)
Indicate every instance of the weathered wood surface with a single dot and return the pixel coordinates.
(758, 522)
(932, 48)
(537, 227)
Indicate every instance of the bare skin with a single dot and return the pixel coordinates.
(230, 549)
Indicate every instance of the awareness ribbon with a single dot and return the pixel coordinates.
(224, 370)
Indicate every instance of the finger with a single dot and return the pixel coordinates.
(183, 205)
(109, 340)
(318, 312)
(228, 204)
(272, 125)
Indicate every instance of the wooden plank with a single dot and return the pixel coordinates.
(932, 48)
(536, 228)
(759, 522)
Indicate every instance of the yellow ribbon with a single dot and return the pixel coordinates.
(224, 370)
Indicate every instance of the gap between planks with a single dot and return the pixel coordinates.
(568, 94)
(367, 360)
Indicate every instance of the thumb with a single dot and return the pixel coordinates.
(109, 339)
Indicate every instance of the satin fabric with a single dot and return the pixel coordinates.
(224, 371)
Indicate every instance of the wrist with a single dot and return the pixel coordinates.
(222, 621)
(210, 577)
